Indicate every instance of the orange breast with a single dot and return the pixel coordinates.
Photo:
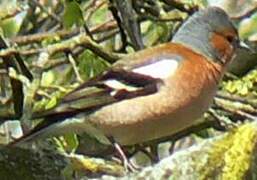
(183, 99)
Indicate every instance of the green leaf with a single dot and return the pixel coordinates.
(47, 78)
(71, 142)
(248, 27)
(68, 142)
(72, 15)
(51, 103)
(155, 33)
(99, 16)
(91, 64)
(11, 26)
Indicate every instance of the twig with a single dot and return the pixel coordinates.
(247, 14)
(235, 98)
(17, 89)
(180, 6)
(67, 45)
(75, 69)
(39, 37)
(34, 38)
(115, 15)
(52, 15)
(223, 122)
(130, 22)
(238, 109)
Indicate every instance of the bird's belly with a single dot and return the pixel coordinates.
(133, 129)
(156, 128)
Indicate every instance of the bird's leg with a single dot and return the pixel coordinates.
(154, 152)
(172, 146)
(125, 161)
(151, 152)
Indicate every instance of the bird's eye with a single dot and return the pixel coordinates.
(230, 39)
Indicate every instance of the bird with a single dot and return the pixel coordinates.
(152, 93)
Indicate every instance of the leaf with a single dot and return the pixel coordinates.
(71, 142)
(248, 27)
(100, 15)
(11, 26)
(155, 33)
(51, 103)
(72, 15)
(47, 78)
(67, 143)
(91, 64)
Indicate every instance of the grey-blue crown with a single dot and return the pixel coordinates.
(195, 32)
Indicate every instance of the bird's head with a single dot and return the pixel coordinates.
(211, 33)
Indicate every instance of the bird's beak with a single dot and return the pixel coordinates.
(243, 45)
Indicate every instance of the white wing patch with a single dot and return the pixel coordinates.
(115, 84)
(160, 69)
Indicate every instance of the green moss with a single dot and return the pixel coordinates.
(230, 157)
(244, 86)
(238, 157)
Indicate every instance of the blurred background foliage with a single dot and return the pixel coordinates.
(47, 36)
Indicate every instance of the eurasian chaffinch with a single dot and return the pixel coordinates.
(152, 93)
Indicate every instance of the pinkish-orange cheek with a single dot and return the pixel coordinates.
(222, 46)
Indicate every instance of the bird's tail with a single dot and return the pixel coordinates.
(40, 131)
